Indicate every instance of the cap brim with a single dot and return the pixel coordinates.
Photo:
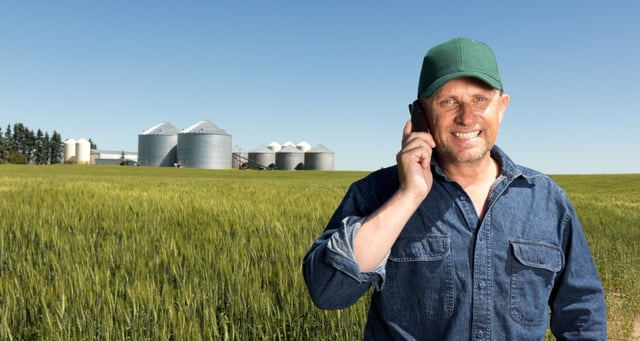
(438, 83)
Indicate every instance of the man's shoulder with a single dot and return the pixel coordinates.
(530, 172)
(385, 179)
(384, 172)
(511, 169)
(539, 179)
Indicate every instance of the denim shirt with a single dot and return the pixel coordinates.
(523, 267)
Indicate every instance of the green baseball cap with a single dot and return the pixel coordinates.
(457, 58)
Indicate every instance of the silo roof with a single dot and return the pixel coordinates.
(304, 146)
(205, 127)
(262, 149)
(274, 146)
(162, 128)
(319, 149)
(290, 149)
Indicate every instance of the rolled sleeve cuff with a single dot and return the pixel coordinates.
(342, 257)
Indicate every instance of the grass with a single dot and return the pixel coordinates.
(137, 253)
(609, 209)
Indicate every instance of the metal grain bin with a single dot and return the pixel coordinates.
(303, 146)
(262, 157)
(204, 145)
(319, 158)
(83, 152)
(157, 146)
(290, 158)
(70, 151)
(275, 146)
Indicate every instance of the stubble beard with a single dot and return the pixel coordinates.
(449, 155)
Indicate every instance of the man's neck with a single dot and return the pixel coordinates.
(469, 173)
(476, 178)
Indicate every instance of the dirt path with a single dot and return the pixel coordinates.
(615, 302)
(616, 333)
(635, 334)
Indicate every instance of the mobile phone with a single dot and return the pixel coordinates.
(418, 118)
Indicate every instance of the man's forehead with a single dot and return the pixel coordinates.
(477, 84)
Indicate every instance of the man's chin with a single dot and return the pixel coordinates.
(466, 156)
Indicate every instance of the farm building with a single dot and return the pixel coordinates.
(80, 153)
(205, 145)
(290, 158)
(319, 158)
(262, 157)
(77, 152)
(157, 146)
(113, 157)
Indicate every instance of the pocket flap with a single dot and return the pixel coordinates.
(420, 248)
(538, 254)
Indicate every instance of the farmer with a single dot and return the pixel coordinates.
(459, 241)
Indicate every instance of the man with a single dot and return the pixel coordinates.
(459, 241)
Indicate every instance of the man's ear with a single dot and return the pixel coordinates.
(502, 106)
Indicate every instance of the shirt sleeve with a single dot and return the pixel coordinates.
(340, 245)
(330, 270)
(331, 273)
(578, 309)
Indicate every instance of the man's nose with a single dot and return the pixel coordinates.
(465, 113)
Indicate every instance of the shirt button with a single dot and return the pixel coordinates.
(482, 285)
(480, 334)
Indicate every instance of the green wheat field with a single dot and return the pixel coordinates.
(145, 253)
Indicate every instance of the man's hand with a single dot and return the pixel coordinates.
(381, 229)
(414, 162)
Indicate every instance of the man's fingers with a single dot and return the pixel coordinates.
(406, 132)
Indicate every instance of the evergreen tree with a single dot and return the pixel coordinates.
(19, 144)
(56, 148)
(39, 155)
(30, 144)
(46, 148)
(8, 139)
(3, 149)
(17, 138)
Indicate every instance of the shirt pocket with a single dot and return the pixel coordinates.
(419, 279)
(534, 268)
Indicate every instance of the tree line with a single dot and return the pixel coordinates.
(20, 145)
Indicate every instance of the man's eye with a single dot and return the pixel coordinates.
(448, 102)
(480, 99)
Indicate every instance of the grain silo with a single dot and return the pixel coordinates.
(157, 146)
(288, 144)
(290, 158)
(275, 146)
(262, 157)
(70, 151)
(303, 146)
(83, 152)
(319, 158)
(204, 145)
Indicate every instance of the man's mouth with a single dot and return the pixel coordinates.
(468, 135)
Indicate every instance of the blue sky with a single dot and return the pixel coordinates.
(336, 73)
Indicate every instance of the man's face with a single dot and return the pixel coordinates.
(464, 116)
